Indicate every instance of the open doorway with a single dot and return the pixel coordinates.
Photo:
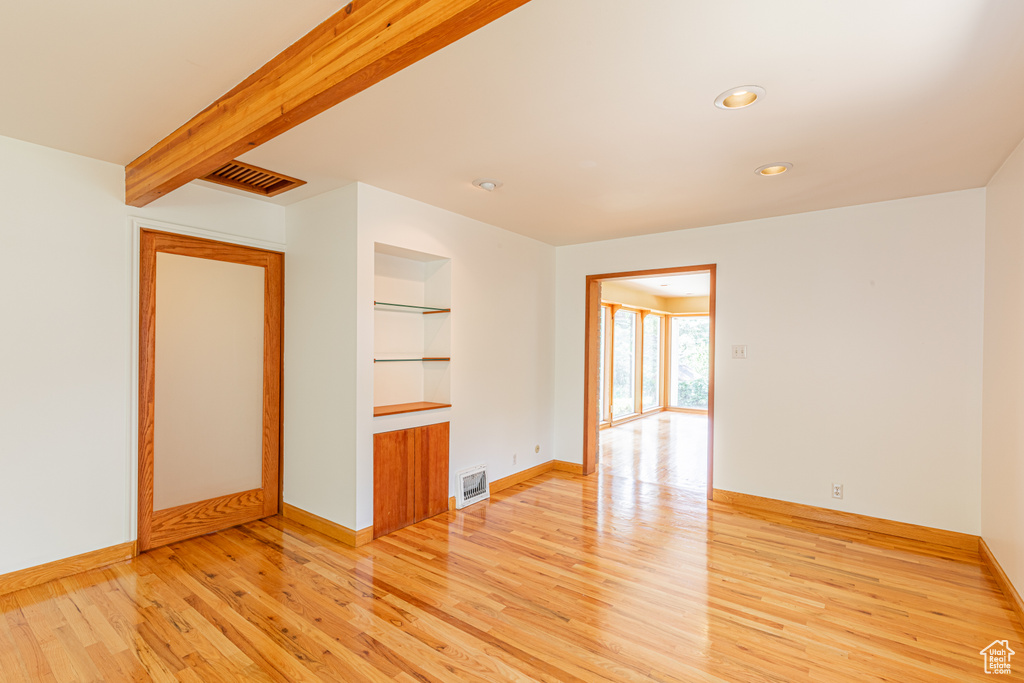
(649, 389)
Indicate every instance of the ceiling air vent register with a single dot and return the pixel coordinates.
(253, 179)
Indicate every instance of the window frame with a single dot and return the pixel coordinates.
(637, 357)
(660, 373)
(608, 309)
(668, 366)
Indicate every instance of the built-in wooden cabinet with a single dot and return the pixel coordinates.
(410, 476)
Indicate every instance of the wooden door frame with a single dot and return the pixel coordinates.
(591, 358)
(234, 508)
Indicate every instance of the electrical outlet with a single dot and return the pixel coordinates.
(536, 449)
(515, 458)
(739, 351)
(837, 491)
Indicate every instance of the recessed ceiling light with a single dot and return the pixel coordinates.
(489, 184)
(777, 168)
(739, 97)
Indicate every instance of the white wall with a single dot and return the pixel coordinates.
(502, 325)
(320, 401)
(63, 378)
(1002, 505)
(66, 464)
(199, 206)
(868, 374)
(501, 344)
(66, 387)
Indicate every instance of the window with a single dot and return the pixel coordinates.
(632, 374)
(652, 361)
(624, 364)
(690, 344)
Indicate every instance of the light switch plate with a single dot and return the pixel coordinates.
(739, 351)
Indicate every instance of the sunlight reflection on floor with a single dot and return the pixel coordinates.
(665, 448)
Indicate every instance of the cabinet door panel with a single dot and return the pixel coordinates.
(393, 473)
(432, 471)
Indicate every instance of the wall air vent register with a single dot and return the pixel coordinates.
(472, 486)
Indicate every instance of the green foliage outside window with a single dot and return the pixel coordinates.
(651, 360)
(623, 360)
(692, 355)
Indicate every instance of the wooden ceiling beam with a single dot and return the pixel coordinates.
(361, 44)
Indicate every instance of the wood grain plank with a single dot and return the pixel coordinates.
(195, 519)
(563, 466)
(273, 370)
(591, 368)
(432, 470)
(532, 472)
(565, 578)
(361, 44)
(521, 476)
(147, 385)
(326, 527)
(952, 539)
(414, 407)
(1009, 590)
(58, 569)
(712, 317)
(394, 462)
(152, 242)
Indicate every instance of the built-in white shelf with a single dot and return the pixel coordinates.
(408, 308)
(411, 331)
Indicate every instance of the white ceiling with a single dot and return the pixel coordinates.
(689, 284)
(596, 114)
(109, 79)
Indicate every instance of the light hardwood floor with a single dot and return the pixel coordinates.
(563, 578)
(663, 448)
